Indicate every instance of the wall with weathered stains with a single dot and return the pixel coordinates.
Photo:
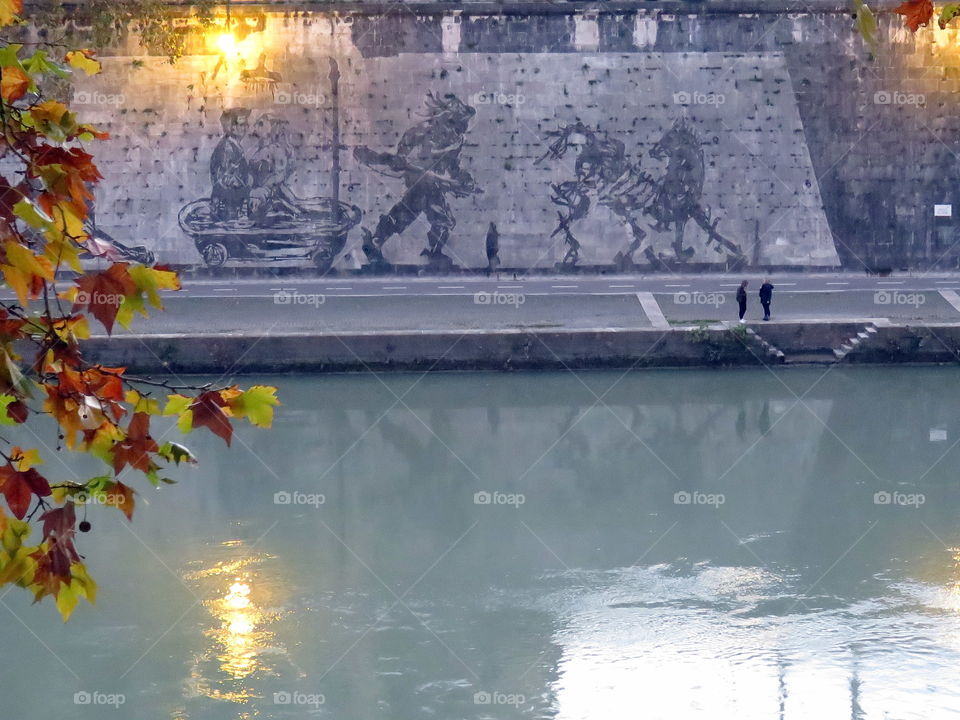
(598, 141)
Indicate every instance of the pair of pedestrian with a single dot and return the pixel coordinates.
(766, 296)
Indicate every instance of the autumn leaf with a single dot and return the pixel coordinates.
(917, 13)
(102, 293)
(14, 84)
(136, 448)
(83, 60)
(9, 9)
(120, 496)
(19, 488)
(948, 13)
(207, 411)
(24, 271)
(255, 404)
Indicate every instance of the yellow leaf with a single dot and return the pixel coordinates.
(26, 459)
(83, 60)
(22, 258)
(9, 9)
(150, 281)
(18, 281)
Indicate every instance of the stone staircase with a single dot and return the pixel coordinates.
(771, 352)
(855, 342)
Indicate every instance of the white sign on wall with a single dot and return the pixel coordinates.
(943, 210)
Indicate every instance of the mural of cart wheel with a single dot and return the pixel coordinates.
(317, 233)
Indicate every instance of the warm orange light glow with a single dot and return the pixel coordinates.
(227, 43)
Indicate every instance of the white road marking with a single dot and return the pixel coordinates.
(951, 297)
(508, 287)
(785, 284)
(564, 287)
(730, 285)
(687, 285)
(224, 289)
(622, 286)
(890, 282)
(394, 287)
(339, 288)
(838, 283)
(652, 310)
(449, 287)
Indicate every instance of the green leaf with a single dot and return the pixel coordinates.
(866, 24)
(185, 423)
(256, 404)
(176, 453)
(5, 419)
(40, 64)
(948, 13)
(31, 214)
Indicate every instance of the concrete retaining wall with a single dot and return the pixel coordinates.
(519, 350)
(587, 134)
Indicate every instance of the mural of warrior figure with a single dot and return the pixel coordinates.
(605, 175)
(428, 159)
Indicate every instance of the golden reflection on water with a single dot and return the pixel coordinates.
(952, 600)
(240, 643)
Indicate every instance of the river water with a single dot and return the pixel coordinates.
(665, 544)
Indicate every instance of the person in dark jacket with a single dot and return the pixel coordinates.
(766, 295)
(742, 299)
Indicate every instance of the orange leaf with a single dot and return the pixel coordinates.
(120, 496)
(14, 84)
(917, 13)
(135, 449)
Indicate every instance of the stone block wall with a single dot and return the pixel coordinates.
(588, 137)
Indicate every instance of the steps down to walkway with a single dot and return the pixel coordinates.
(771, 352)
(855, 342)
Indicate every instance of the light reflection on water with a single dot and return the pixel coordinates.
(238, 631)
(600, 597)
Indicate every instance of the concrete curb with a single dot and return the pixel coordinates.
(715, 346)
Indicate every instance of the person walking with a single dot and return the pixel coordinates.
(766, 295)
(742, 299)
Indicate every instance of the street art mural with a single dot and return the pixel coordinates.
(305, 148)
(605, 175)
(428, 159)
(252, 213)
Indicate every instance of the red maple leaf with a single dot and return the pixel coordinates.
(208, 412)
(136, 447)
(20, 487)
(60, 525)
(917, 13)
(102, 293)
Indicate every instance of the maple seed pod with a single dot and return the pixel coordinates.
(84, 526)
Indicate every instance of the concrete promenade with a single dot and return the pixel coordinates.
(288, 323)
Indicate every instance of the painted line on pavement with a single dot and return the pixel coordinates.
(838, 283)
(890, 282)
(951, 297)
(652, 310)
(449, 287)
